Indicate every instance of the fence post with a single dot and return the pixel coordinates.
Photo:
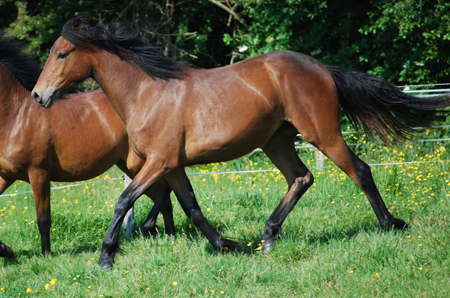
(319, 159)
(128, 222)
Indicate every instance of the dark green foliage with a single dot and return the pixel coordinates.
(403, 41)
(408, 41)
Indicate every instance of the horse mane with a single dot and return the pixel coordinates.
(119, 41)
(22, 66)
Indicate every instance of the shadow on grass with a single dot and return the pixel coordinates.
(331, 234)
(24, 255)
(328, 235)
(187, 229)
(250, 244)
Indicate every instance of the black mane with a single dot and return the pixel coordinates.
(126, 46)
(22, 66)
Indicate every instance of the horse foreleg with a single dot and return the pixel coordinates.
(6, 251)
(182, 188)
(151, 171)
(40, 184)
(160, 195)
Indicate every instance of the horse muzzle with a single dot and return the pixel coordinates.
(46, 100)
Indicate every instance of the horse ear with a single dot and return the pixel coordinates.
(78, 19)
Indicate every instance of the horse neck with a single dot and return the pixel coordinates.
(121, 81)
(13, 96)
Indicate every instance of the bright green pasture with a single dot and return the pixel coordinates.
(331, 243)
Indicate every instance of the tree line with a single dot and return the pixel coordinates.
(405, 41)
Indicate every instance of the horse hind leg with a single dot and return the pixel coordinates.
(337, 150)
(281, 151)
(182, 188)
(320, 126)
(128, 222)
(160, 194)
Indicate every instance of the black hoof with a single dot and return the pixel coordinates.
(229, 246)
(150, 232)
(6, 251)
(396, 224)
(106, 263)
(270, 236)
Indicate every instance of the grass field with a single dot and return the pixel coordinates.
(331, 244)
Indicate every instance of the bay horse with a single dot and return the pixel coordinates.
(177, 116)
(79, 139)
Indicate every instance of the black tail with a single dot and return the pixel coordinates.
(375, 105)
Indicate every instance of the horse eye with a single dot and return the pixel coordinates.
(62, 56)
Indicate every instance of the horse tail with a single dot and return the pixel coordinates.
(380, 108)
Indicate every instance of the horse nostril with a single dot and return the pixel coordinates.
(36, 97)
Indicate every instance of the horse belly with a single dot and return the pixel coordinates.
(86, 161)
(235, 138)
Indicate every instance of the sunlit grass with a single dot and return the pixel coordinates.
(331, 243)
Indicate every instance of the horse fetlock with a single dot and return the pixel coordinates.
(44, 223)
(271, 233)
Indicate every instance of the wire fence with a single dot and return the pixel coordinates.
(317, 167)
(319, 157)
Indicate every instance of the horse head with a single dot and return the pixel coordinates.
(66, 65)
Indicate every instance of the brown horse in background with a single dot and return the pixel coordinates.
(178, 116)
(78, 140)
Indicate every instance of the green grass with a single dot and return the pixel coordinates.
(331, 244)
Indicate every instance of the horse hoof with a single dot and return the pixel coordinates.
(229, 246)
(6, 251)
(267, 247)
(149, 232)
(396, 224)
(106, 263)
